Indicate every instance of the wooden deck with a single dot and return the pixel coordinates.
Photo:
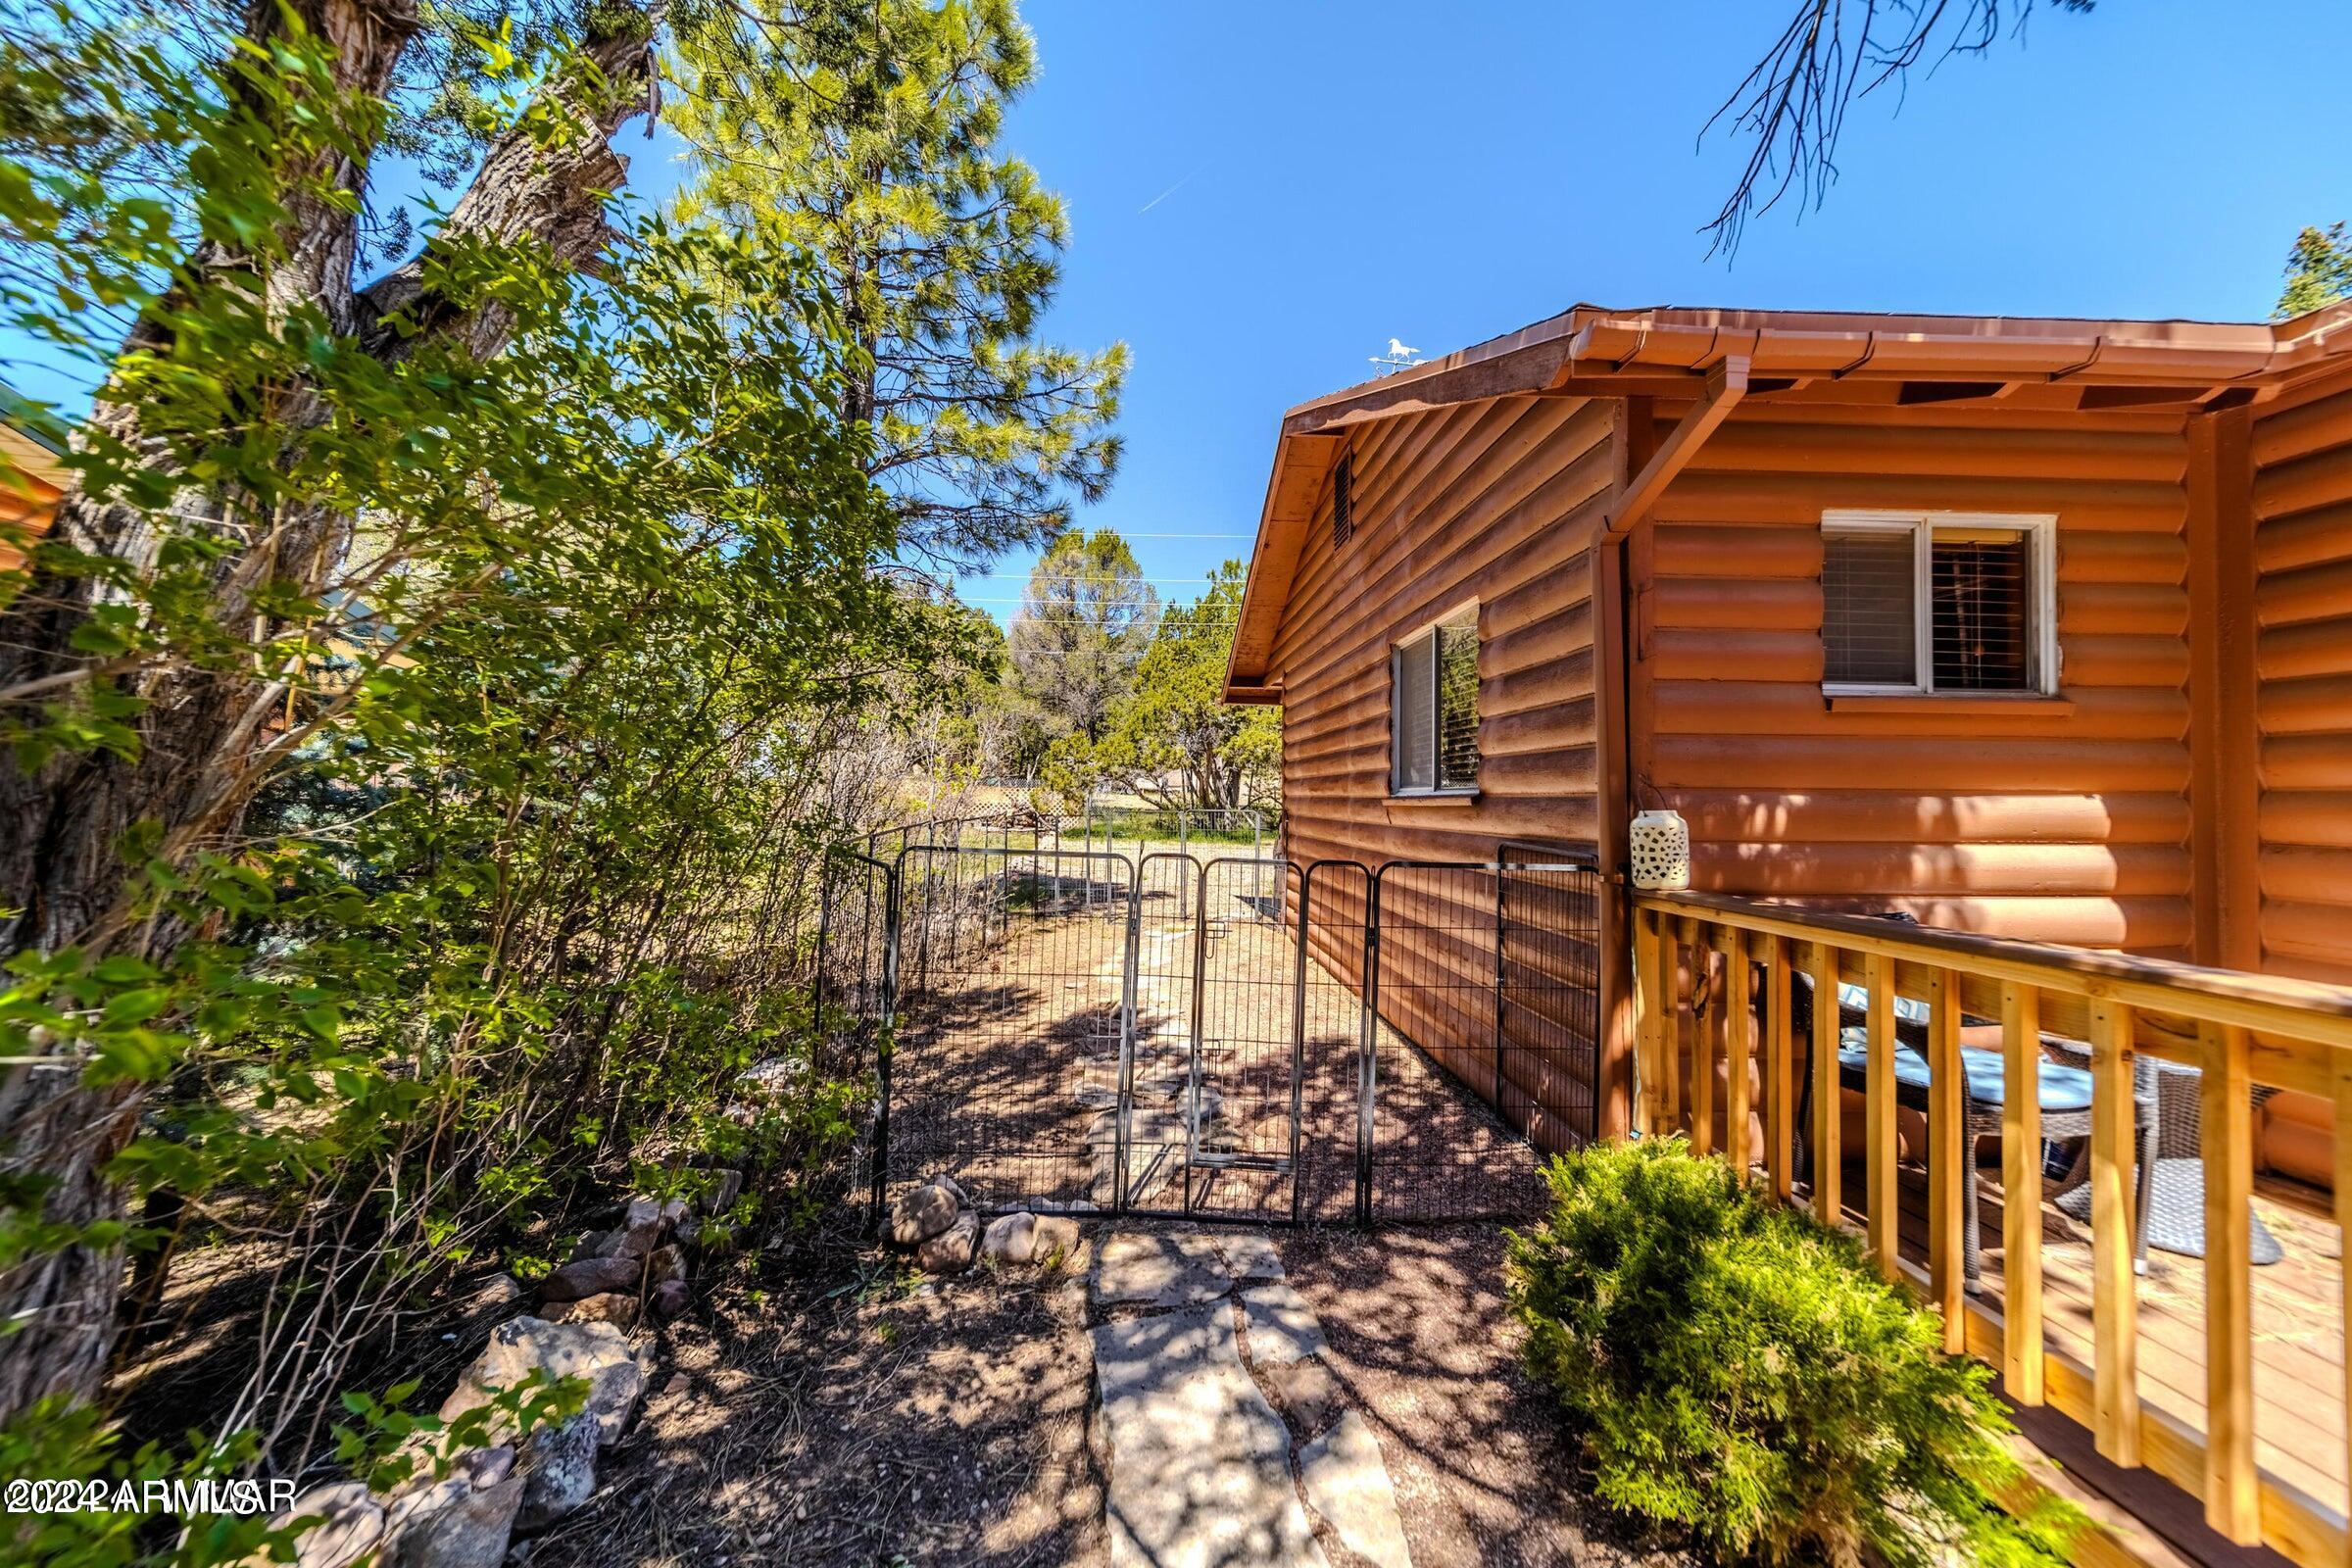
(2298, 1334)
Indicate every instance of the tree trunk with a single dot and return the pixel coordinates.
(202, 732)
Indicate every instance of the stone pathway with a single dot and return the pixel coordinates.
(1201, 1462)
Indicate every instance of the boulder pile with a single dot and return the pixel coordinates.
(939, 1223)
(623, 1279)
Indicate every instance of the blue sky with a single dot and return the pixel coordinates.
(1263, 193)
(1260, 194)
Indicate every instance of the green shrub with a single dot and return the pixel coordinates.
(1739, 1370)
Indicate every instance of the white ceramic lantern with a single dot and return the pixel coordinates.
(1661, 851)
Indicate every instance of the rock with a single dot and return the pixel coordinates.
(963, 1200)
(638, 1233)
(592, 1244)
(1055, 1240)
(596, 1351)
(722, 1197)
(485, 1468)
(591, 1276)
(674, 1209)
(559, 1471)
(669, 1300)
(668, 1263)
(617, 1307)
(1010, 1238)
(1309, 1392)
(350, 1524)
(951, 1251)
(918, 1216)
(467, 1529)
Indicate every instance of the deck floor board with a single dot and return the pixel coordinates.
(2299, 1418)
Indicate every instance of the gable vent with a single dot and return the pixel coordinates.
(1343, 502)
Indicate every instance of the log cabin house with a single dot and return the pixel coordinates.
(2038, 631)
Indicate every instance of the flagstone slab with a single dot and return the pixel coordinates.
(1282, 1330)
(1200, 1461)
(1159, 1269)
(1251, 1254)
(1347, 1487)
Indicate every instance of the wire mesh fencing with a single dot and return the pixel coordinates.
(1231, 1038)
(1012, 1042)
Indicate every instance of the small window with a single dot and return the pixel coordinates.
(1343, 502)
(1432, 707)
(1938, 602)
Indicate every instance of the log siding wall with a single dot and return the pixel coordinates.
(1496, 502)
(2303, 663)
(2061, 822)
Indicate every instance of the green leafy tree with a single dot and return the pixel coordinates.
(1173, 739)
(871, 142)
(2319, 271)
(525, 603)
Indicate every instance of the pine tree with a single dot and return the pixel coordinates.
(1085, 619)
(2319, 271)
(870, 141)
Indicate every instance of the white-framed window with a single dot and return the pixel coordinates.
(1432, 707)
(1938, 602)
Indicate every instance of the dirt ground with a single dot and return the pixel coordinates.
(865, 1417)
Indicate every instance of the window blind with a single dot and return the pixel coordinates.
(1867, 613)
(1414, 715)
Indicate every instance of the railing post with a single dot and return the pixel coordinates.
(2021, 1193)
(2114, 1306)
(1739, 1050)
(2233, 1494)
(1702, 1036)
(1827, 1163)
(1947, 1159)
(1650, 986)
(1778, 1094)
(2341, 1075)
(1879, 1096)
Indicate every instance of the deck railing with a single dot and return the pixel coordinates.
(2241, 1031)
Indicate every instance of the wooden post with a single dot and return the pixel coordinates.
(1702, 1039)
(1829, 1089)
(2021, 1193)
(1739, 1049)
(1879, 1096)
(1670, 1017)
(2114, 1301)
(1647, 1035)
(1947, 1159)
(2342, 1074)
(2233, 1494)
(1779, 1098)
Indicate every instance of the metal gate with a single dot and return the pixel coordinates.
(1240, 1038)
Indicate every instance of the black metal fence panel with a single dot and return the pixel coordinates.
(1230, 1038)
(1013, 1041)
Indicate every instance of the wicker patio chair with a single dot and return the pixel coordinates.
(2065, 1103)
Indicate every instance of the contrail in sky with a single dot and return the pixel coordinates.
(1170, 191)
